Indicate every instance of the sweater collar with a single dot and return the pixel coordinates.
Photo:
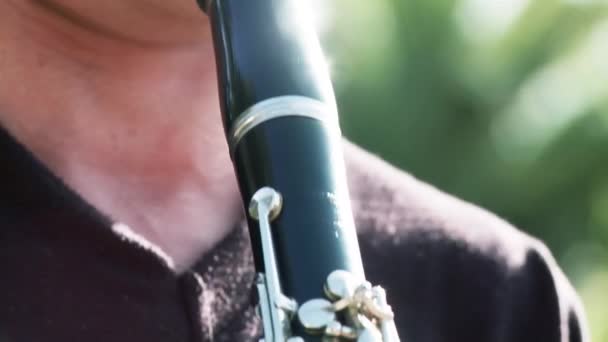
(223, 277)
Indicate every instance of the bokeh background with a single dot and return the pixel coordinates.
(501, 102)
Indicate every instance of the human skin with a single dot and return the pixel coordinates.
(119, 99)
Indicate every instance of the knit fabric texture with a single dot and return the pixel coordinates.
(453, 272)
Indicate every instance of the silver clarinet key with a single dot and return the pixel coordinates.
(316, 314)
(333, 329)
(341, 284)
(370, 332)
(295, 339)
(370, 335)
(337, 330)
(387, 325)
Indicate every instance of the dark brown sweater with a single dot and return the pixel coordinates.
(453, 271)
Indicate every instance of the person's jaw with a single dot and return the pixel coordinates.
(143, 23)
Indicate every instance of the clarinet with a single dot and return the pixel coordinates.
(281, 122)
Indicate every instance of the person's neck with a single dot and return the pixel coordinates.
(131, 124)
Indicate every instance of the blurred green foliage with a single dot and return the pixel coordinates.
(502, 103)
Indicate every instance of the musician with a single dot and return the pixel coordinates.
(120, 218)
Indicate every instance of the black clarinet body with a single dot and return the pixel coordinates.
(281, 123)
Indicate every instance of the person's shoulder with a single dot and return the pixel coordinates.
(392, 207)
(454, 265)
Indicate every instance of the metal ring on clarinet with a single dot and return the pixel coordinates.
(281, 106)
